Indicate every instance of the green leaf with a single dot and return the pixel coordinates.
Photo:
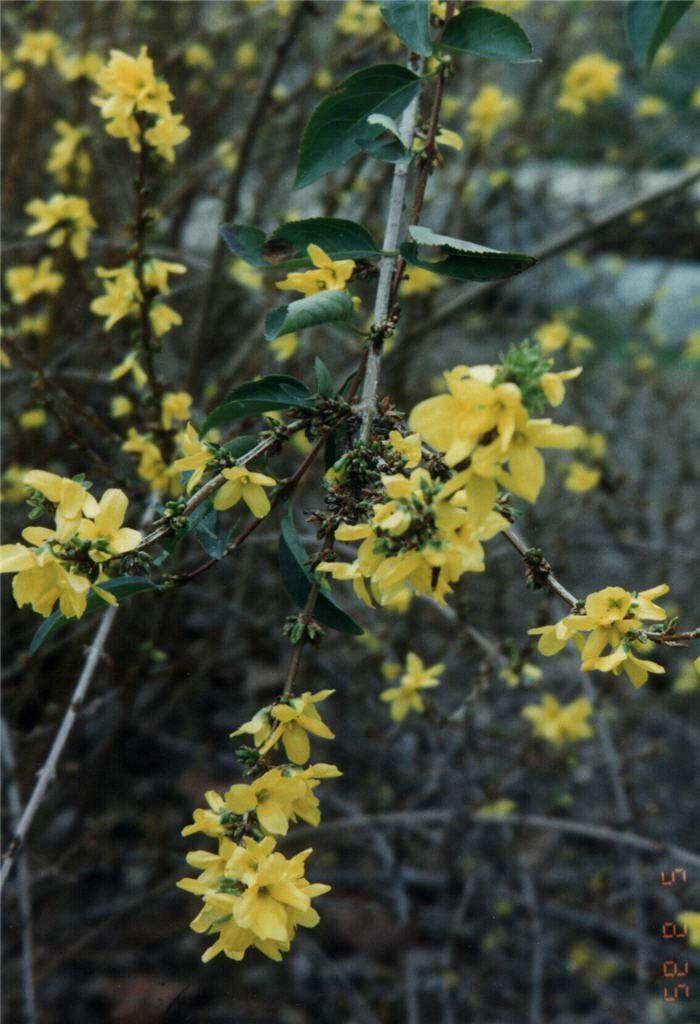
(487, 33)
(121, 586)
(324, 382)
(648, 23)
(410, 21)
(465, 261)
(322, 308)
(205, 532)
(330, 137)
(259, 396)
(391, 151)
(285, 248)
(298, 580)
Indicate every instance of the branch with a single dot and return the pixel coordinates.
(558, 243)
(47, 773)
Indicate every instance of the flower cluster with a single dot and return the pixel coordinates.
(559, 723)
(68, 218)
(490, 110)
(123, 295)
(254, 896)
(26, 281)
(613, 618)
(68, 156)
(63, 564)
(590, 79)
(132, 97)
(405, 696)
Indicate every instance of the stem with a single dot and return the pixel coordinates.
(47, 772)
(140, 226)
(388, 263)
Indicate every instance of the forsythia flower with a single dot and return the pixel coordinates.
(26, 281)
(690, 920)
(120, 406)
(253, 896)
(612, 617)
(406, 696)
(130, 364)
(559, 723)
(129, 88)
(37, 47)
(284, 346)
(417, 281)
(196, 458)
(66, 152)
(151, 466)
(32, 418)
(489, 111)
(590, 79)
(175, 405)
(581, 478)
(198, 56)
(359, 18)
(289, 720)
(650, 106)
(244, 483)
(54, 567)
(68, 218)
(331, 275)
(409, 447)
(162, 318)
(121, 297)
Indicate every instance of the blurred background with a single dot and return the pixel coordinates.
(441, 918)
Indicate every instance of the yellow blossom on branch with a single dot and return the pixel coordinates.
(26, 281)
(559, 723)
(66, 153)
(105, 530)
(37, 48)
(242, 483)
(289, 720)
(405, 696)
(130, 364)
(489, 111)
(121, 297)
(175, 405)
(68, 218)
(331, 275)
(196, 458)
(590, 79)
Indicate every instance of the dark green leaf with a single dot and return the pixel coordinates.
(205, 532)
(648, 23)
(330, 137)
(391, 151)
(465, 261)
(285, 248)
(298, 580)
(324, 381)
(410, 21)
(122, 587)
(487, 33)
(259, 396)
(322, 308)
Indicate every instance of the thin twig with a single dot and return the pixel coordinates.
(537, 945)
(47, 772)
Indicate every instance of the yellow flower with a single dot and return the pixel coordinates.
(130, 364)
(271, 797)
(559, 723)
(74, 66)
(323, 79)
(41, 580)
(68, 218)
(196, 458)
(330, 274)
(553, 384)
(360, 18)
(497, 809)
(105, 530)
(32, 419)
(245, 56)
(688, 678)
(175, 405)
(417, 281)
(12, 487)
(65, 152)
(408, 447)
(610, 617)
(242, 483)
(489, 111)
(69, 496)
(122, 296)
(155, 274)
(37, 48)
(284, 346)
(581, 478)
(120, 406)
(650, 106)
(198, 56)
(151, 466)
(446, 137)
(406, 696)
(162, 318)
(13, 79)
(590, 79)
(167, 133)
(290, 721)
(690, 920)
(26, 281)
(246, 275)
(553, 335)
